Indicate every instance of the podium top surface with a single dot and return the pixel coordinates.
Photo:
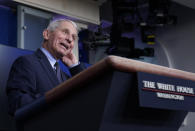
(129, 65)
(115, 63)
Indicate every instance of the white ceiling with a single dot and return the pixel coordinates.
(189, 3)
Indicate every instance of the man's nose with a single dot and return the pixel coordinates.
(69, 38)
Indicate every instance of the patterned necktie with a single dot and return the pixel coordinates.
(57, 70)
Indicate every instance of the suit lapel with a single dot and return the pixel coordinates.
(63, 72)
(47, 67)
(64, 76)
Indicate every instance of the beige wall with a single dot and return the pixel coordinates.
(189, 3)
(84, 10)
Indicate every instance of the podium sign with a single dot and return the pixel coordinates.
(163, 92)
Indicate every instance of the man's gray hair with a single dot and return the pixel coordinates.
(54, 24)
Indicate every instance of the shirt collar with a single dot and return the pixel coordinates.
(51, 59)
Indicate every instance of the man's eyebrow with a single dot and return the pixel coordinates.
(66, 29)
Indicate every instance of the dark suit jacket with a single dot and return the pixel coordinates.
(30, 77)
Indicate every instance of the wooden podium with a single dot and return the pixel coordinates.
(105, 97)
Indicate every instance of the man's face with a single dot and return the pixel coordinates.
(61, 40)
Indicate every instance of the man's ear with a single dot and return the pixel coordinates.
(46, 34)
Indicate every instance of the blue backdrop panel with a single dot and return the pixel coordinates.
(8, 27)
